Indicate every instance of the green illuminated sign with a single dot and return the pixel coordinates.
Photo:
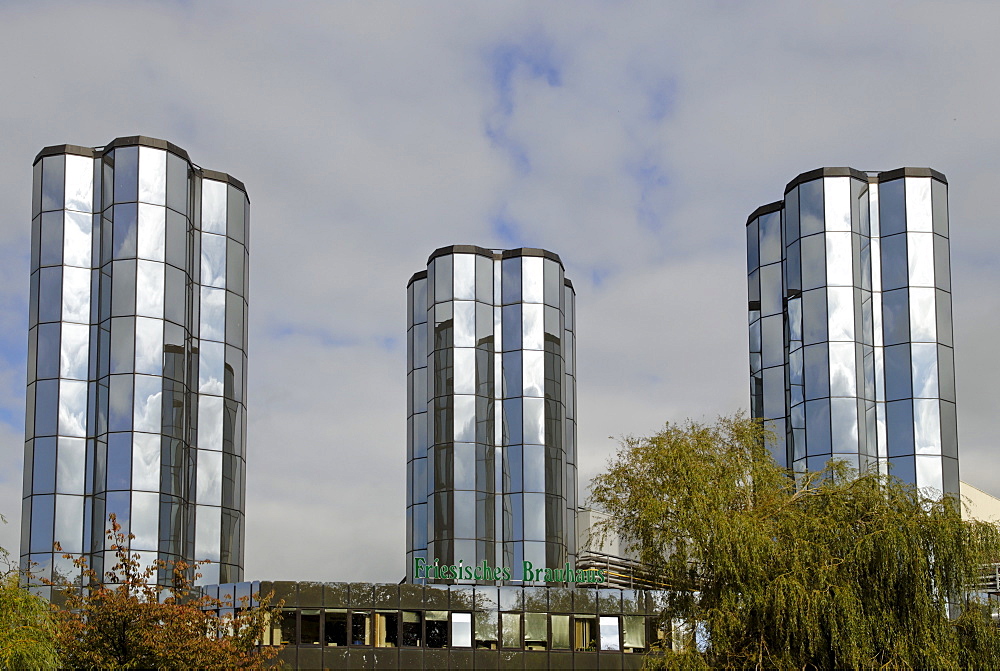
(438, 571)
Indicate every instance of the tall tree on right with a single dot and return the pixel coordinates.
(834, 569)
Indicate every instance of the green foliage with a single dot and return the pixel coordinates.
(124, 621)
(833, 570)
(27, 632)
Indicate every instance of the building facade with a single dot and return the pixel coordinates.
(372, 625)
(491, 440)
(851, 351)
(136, 359)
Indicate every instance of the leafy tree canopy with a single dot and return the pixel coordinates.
(27, 630)
(824, 570)
(123, 621)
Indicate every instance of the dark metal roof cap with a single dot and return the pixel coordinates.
(141, 141)
(826, 172)
(494, 254)
(890, 175)
(459, 249)
(776, 206)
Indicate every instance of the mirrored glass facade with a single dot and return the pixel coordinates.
(491, 443)
(850, 323)
(137, 358)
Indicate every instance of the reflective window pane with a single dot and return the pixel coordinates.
(74, 350)
(213, 260)
(511, 280)
(53, 175)
(532, 327)
(210, 410)
(770, 289)
(924, 363)
(125, 231)
(465, 276)
(77, 239)
(897, 372)
(918, 204)
(920, 251)
(146, 461)
(210, 369)
(813, 249)
(148, 399)
(892, 209)
(811, 211)
(49, 294)
(770, 238)
(843, 369)
(533, 379)
(76, 295)
(209, 478)
(213, 313)
(837, 199)
(926, 426)
(923, 316)
(70, 469)
(152, 175)
(818, 427)
(151, 232)
(894, 262)
(609, 632)
(839, 266)
(73, 408)
(532, 279)
(213, 206)
(840, 304)
(149, 289)
(149, 346)
(534, 420)
(896, 317)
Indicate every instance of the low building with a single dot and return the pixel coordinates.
(408, 626)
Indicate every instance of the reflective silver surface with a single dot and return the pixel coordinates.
(862, 328)
(500, 399)
(99, 344)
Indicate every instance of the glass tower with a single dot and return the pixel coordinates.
(850, 323)
(491, 443)
(136, 359)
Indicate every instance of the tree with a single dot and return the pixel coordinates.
(27, 630)
(835, 569)
(122, 620)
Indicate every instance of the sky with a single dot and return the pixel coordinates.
(631, 138)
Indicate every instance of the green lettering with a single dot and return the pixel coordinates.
(418, 565)
(528, 574)
(602, 575)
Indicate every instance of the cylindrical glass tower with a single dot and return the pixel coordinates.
(137, 359)
(491, 445)
(850, 323)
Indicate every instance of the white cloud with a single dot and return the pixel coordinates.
(639, 137)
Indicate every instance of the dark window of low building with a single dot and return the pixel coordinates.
(287, 631)
(437, 628)
(386, 629)
(411, 628)
(309, 627)
(335, 627)
(361, 628)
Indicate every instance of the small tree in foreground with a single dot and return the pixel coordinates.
(27, 630)
(122, 620)
(834, 570)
